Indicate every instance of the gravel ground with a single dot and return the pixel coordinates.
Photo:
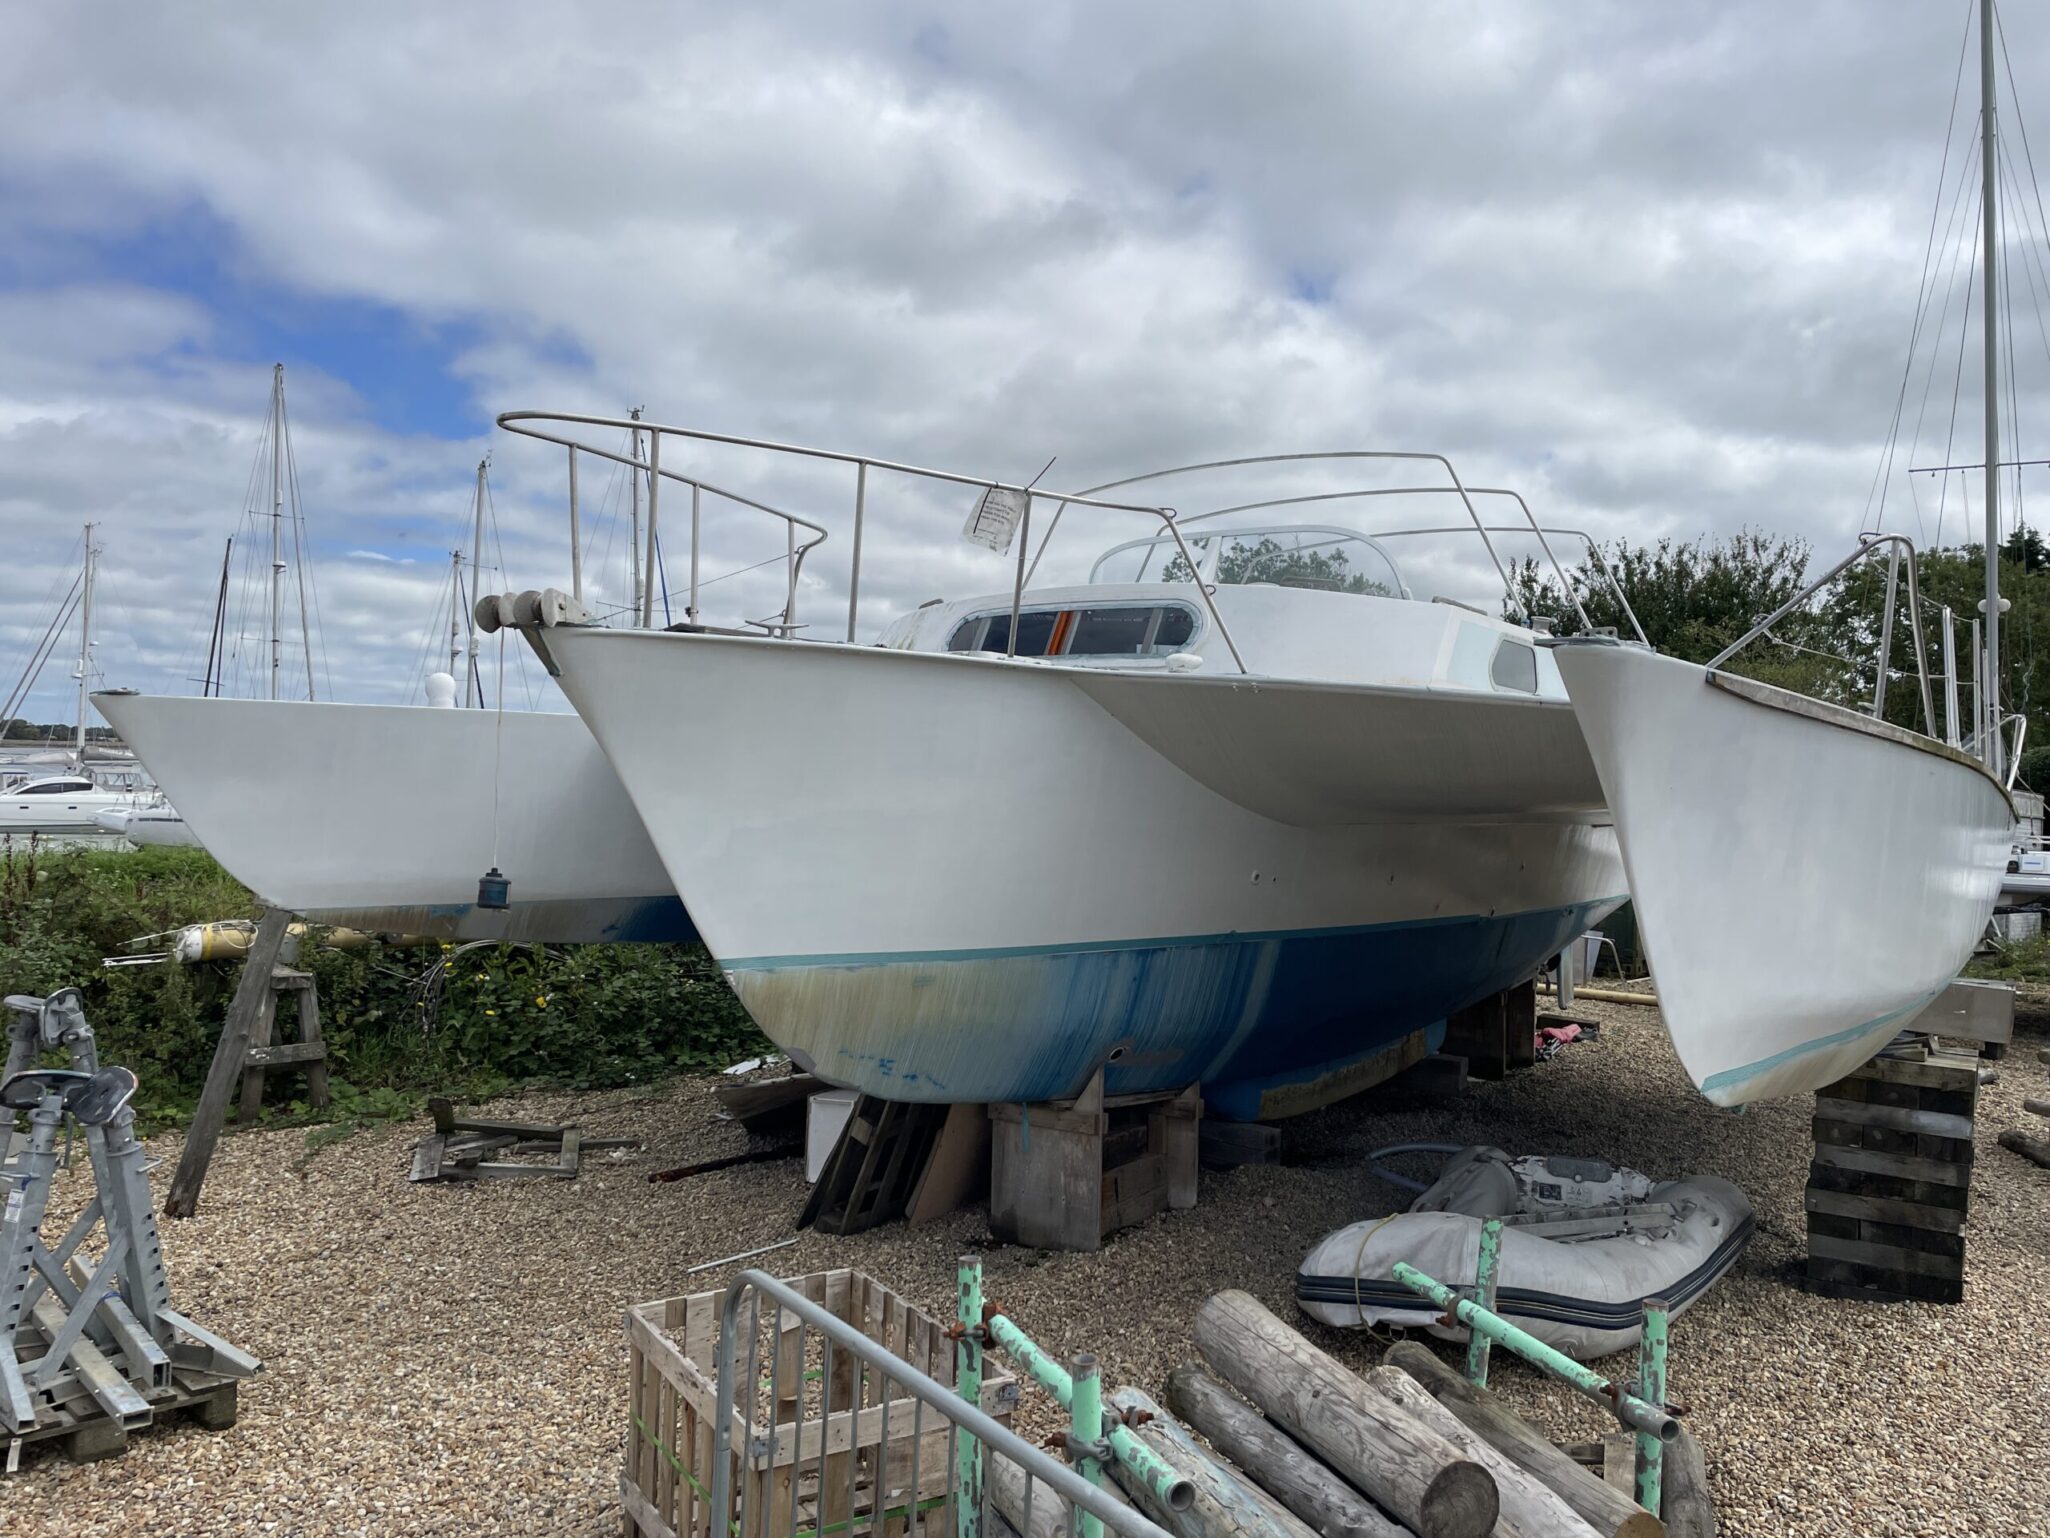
(450, 1360)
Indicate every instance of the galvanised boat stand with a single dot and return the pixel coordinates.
(1640, 1406)
(1097, 1433)
(90, 1350)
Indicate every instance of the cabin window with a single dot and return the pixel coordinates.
(56, 788)
(1124, 630)
(1515, 667)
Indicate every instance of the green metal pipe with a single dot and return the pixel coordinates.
(1478, 1343)
(1627, 1408)
(1085, 1429)
(1651, 1383)
(1170, 1488)
(968, 1384)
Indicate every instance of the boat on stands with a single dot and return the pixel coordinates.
(383, 817)
(1256, 831)
(379, 817)
(1808, 877)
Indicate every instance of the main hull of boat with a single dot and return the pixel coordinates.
(960, 878)
(1805, 879)
(382, 817)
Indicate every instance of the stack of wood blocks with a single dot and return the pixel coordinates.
(1891, 1180)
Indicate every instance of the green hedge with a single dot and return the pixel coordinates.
(399, 1018)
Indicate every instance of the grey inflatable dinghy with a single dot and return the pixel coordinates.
(1584, 1244)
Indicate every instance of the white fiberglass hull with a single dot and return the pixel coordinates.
(1805, 879)
(380, 817)
(952, 877)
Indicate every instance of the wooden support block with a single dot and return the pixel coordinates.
(957, 1169)
(1442, 1073)
(1223, 1145)
(1055, 1181)
(1519, 1023)
(1480, 1034)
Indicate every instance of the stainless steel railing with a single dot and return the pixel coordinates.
(880, 1384)
(525, 423)
(1456, 487)
(1902, 548)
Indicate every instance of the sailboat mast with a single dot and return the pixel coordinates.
(216, 641)
(277, 525)
(1989, 198)
(633, 555)
(455, 613)
(477, 588)
(85, 644)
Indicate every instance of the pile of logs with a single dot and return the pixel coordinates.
(1303, 1446)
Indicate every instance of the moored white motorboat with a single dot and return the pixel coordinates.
(150, 824)
(1805, 878)
(58, 805)
(381, 817)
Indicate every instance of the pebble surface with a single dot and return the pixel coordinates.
(451, 1359)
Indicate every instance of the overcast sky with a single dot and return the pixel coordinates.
(1654, 265)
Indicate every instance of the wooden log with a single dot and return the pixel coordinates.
(2017, 1141)
(1607, 1511)
(1530, 1508)
(252, 996)
(1412, 1472)
(1226, 1505)
(1689, 1513)
(1283, 1466)
(1006, 1484)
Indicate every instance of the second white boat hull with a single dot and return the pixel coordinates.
(1805, 880)
(382, 817)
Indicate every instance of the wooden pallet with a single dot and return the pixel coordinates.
(85, 1434)
(1890, 1185)
(874, 1168)
(821, 1444)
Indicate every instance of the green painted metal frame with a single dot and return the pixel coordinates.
(1648, 1418)
(1085, 1433)
(1479, 1342)
(1651, 1386)
(968, 1469)
(1169, 1487)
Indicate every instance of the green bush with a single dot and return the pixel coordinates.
(395, 1018)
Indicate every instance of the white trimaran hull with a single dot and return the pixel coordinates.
(381, 817)
(1805, 879)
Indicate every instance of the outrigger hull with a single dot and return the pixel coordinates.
(1805, 879)
(382, 817)
(960, 878)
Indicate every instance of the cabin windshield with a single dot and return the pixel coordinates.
(1113, 630)
(1324, 557)
(53, 788)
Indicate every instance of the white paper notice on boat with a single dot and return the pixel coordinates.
(996, 518)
